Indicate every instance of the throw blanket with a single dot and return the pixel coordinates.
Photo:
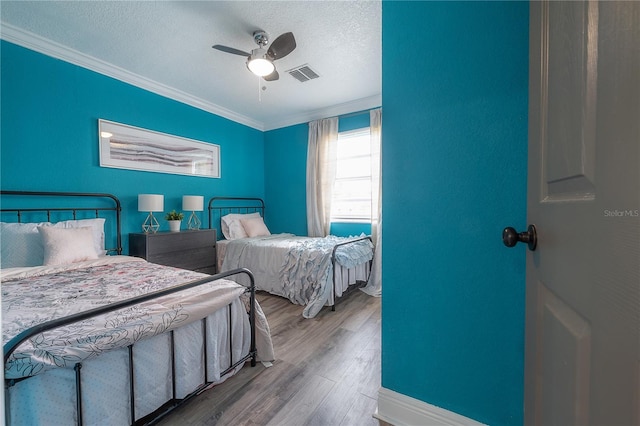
(33, 298)
(298, 268)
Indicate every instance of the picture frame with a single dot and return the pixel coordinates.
(123, 146)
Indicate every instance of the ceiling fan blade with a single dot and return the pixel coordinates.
(231, 50)
(272, 77)
(282, 46)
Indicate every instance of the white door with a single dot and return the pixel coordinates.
(582, 360)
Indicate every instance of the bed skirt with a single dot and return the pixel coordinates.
(50, 397)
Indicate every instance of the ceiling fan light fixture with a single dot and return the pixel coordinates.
(260, 60)
(259, 63)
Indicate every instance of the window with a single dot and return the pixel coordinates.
(351, 201)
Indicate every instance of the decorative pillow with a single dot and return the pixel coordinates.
(20, 244)
(97, 231)
(67, 245)
(225, 222)
(255, 227)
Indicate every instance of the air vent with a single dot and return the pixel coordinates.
(303, 73)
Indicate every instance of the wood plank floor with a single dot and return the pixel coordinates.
(327, 371)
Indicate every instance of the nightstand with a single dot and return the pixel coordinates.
(193, 249)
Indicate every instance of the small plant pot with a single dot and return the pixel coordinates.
(174, 225)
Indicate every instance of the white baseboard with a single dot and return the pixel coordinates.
(402, 410)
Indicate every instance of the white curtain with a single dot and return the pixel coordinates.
(374, 287)
(321, 173)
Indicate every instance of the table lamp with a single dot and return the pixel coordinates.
(150, 203)
(193, 203)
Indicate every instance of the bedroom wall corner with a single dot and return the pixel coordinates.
(286, 175)
(286, 179)
(49, 136)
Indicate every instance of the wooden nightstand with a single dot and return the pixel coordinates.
(194, 250)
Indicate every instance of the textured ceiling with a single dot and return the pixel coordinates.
(165, 46)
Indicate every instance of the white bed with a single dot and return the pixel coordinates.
(42, 374)
(313, 272)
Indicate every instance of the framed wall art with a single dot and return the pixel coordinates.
(128, 147)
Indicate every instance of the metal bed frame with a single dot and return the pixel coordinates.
(173, 403)
(116, 208)
(245, 205)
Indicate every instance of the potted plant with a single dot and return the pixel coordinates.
(174, 218)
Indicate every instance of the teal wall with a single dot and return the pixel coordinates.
(454, 149)
(285, 161)
(353, 121)
(49, 136)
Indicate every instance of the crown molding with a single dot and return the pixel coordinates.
(47, 47)
(362, 104)
(50, 48)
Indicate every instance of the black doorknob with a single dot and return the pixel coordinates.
(511, 237)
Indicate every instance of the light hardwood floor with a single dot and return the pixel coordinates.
(327, 371)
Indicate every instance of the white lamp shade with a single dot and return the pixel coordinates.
(150, 202)
(193, 203)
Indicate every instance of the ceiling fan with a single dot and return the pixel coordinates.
(260, 60)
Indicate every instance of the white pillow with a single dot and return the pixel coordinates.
(236, 230)
(255, 227)
(67, 245)
(20, 244)
(97, 231)
(225, 223)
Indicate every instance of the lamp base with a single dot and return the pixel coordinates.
(194, 221)
(150, 225)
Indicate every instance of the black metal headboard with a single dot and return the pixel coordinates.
(26, 203)
(220, 206)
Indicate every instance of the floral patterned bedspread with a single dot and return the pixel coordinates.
(35, 298)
